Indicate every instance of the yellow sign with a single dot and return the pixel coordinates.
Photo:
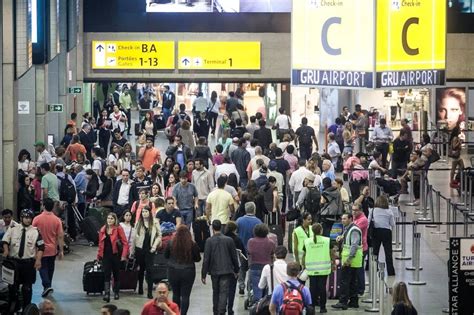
(332, 43)
(219, 55)
(133, 55)
(411, 42)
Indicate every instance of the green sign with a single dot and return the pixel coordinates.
(55, 108)
(75, 90)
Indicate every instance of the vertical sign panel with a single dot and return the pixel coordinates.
(333, 43)
(461, 275)
(411, 42)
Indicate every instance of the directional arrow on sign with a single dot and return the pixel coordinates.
(185, 61)
(100, 48)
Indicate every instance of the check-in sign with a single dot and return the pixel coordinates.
(133, 55)
(219, 55)
(411, 42)
(333, 43)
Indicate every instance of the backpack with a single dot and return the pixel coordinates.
(312, 201)
(305, 136)
(334, 206)
(67, 191)
(103, 166)
(293, 301)
(338, 135)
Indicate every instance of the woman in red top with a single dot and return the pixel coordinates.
(111, 238)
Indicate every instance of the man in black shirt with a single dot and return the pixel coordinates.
(305, 137)
(169, 213)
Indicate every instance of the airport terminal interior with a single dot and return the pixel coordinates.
(236, 157)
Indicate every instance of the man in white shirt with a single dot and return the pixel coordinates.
(333, 149)
(382, 137)
(282, 124)
(226, 168)
(204, 183)
(44, 155)
(375, 165)
(199, 104)
(253, 165)
(297, 179)
(279, 271)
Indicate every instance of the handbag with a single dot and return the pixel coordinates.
(293, 214)
(434, 157)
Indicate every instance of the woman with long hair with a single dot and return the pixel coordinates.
(156, 192)
(302, 232)
(127, 226)
(145, 244)
(112, 239)
(114, 154)
(171, 183)
(213, 111)
(92, 187)
(148, 126)
(384, 222)
(401, 302)
(455, 146)
(182, 253)
(187, 135)
(24, 162)
(105, 197)
(123, 162)
(248, 195)
(317, 262)
(348, 136)
(175, 169)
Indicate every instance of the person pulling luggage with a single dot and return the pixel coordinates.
(24, 245)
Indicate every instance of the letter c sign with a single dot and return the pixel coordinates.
(324, 36)
(406, 47)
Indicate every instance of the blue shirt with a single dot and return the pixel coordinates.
(277, 296)
(81, 185)
(245, 227)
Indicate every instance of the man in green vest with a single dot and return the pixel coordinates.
(317, 261)
(351, 258)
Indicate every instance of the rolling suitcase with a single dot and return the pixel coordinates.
(274, 227)
(93, 278)
(291, 228)
(99, 213)
(158, 269)
(201, 233)
(333, 283)
(129, 275)
(90, 226)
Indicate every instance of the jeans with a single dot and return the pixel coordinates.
(213, 121)
(244, 267)
(201, 207)
(317, 287)
(254, 274)
(187, 215)
(166, 113)
(231, 296)
(383, 149)
(243, 183)
(128, 113)
(305, 151)
(220, 292)
(47, 270)
(361, 276)
(384, 237)
(181, 281)
(349, 286)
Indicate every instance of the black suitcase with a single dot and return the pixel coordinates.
(90, 226)
(157, 270)
(291, 228)
(201, 233)
(93, 278)
(275, 227)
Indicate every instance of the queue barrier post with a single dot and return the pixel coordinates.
(416, 260)
(422, 203)
(381, 288)
(403, 255)
(424, 207)
(397, 243)
(414, 249)
(372, 272)
(373, 285)
(437, 214)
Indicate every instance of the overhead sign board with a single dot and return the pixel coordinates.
(368, 43)
(333, 43)
(153, 55)
(219, 55)
(411, 43)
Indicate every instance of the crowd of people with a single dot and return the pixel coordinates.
(251, 188)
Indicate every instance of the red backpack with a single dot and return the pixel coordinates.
(293, 301)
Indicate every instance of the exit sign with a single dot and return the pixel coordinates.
(55, 108)
(75, 90)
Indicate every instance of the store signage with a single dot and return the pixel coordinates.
(333, 43)
(461, 275)
(219, 55)
(133, 55)
(411, 43)
(368, 43)
(55, 108)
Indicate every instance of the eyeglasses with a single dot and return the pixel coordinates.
(170, 204)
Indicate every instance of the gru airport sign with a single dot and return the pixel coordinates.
(368, 43)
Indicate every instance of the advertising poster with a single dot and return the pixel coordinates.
(451, 108)
(461, 276)
(219, 6)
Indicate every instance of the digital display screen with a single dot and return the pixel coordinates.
(218, 6)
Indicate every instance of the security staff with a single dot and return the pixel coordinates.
(317, 261)
(24, 244)
(351, 258)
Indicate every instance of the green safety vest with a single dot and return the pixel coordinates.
(346, 249)
(301, 236)
(318, 258)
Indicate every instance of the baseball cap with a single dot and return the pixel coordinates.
(272, 165)
(39, 142)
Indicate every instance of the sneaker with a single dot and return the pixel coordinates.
(46, 292)
(340, 306)
(241, 292)
(323, 310)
